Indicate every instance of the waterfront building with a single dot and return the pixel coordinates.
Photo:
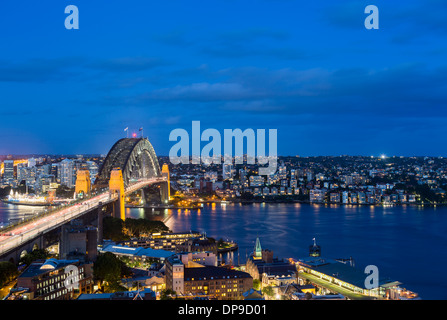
(282, 191)
(165, 241)
(317, 195)
(271, 179)
(293, 183)
(196, 280)
(354, 199)
(282, 171)
(337, 276)
(261, 262)
(197, 245)
(257, 181)
(205, 258)
(334, 197)
(345, 197)
(266, 191)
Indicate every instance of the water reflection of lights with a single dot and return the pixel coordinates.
(372, 209)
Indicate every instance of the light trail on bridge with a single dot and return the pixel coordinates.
(31, 230)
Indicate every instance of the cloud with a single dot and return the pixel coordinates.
(202, 91)
(63, 69)
(126, 64)
(407, 89)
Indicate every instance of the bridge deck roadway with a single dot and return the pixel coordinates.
(28, 231)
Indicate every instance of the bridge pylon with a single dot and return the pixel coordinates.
(83, 183)
(116, 187)
(167, 187)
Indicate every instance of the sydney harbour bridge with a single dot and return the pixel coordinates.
(130, 165)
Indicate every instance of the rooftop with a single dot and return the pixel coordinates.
(40, 267)
(339, 270)
(211, 272)
(141, 252)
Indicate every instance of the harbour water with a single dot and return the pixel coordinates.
(406, 243)
(11, 213)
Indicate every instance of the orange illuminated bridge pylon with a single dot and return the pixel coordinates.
(116, 187)
(83, 184)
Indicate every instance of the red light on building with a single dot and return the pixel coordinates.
(134, 135)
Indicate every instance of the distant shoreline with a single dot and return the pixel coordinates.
(242, 201)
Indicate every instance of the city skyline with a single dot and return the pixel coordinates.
(311, 71)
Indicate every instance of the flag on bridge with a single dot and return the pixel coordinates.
(126, 128)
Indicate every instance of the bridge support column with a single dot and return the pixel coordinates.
(116, 187)
(100, 227)
(164, 190)
(118, 207)
(143, 197)
(165, 173)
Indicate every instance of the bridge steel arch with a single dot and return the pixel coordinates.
(134, 156)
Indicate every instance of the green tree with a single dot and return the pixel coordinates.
(268, 291)
(37, 254)
(107, 268)
(167, 294)
(8, 272)
(140, 227)
(111, 287)
(256, 284)
(113, 229)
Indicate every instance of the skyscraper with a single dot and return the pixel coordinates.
(8, 173)
(67, 173)
(227, 171)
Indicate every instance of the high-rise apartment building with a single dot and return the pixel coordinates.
(67, 173)
(8, 173)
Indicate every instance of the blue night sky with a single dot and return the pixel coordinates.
(309, 69)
